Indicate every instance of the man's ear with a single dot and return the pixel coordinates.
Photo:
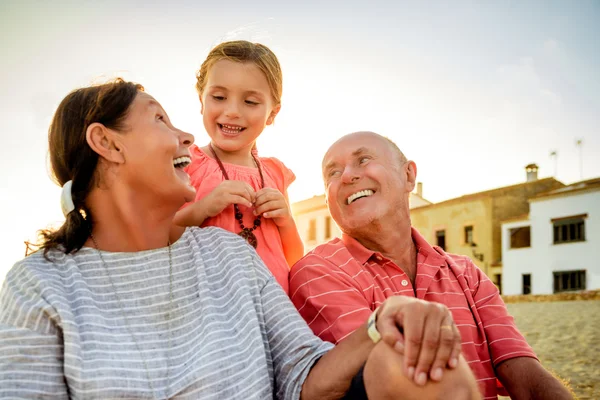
(411, 175)
(273, 114)
(104, 142)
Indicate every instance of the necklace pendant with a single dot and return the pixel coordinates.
(247, 234)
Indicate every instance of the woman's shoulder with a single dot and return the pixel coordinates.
(37, 269)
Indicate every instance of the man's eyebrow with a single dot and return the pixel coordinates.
(329, 165)
(355, 153)
(359, 151)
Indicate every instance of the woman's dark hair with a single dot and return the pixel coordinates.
(71, 158)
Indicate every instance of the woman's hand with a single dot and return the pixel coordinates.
(424, 332)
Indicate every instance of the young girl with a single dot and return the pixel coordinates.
(240, 87)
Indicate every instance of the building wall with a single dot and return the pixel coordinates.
(320, 217)
(484, 211)
(544, 257)
(512, 202)
(453, 217)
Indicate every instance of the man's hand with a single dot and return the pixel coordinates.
(228, 192)
(270, 203)
(424, 332)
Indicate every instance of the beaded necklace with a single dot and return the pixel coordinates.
(246, 233)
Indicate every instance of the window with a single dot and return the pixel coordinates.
(569, 229)
(498, 279)
(520, 237)
(569, 280)
(327, 227)
(469, 234)
(526, 284)
(440, 237)
(312, 229)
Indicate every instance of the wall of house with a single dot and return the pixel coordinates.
(544, 257)
(453, 217)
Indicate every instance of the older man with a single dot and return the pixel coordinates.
(339, 284)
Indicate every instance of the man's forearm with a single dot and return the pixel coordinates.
(331, 376)
(525, 379)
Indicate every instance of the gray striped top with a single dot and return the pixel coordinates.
(234, 332)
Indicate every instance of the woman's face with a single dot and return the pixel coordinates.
(155, 153)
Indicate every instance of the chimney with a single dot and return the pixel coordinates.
(532, 172)
(420, 189)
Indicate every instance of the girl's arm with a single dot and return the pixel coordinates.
(293, 248)
(271, 203)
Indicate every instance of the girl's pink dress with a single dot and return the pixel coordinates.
(206, 175)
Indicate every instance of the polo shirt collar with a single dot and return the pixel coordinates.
(362, 254)
(359, 252)
(432, 256)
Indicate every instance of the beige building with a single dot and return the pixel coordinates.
(316, 225)
(471, 224)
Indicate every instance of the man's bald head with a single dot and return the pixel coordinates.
(393, 146)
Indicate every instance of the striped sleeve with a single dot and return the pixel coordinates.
(504, 339)
(329, 300)
(31, 349)
(294, 348)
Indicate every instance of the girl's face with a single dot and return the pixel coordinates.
(236, 105)
(155, 152)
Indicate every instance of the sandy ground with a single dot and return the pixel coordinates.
(566, 337)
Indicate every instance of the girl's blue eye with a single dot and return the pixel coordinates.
(218, 97)
(252, 103)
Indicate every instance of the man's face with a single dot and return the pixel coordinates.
(366, 181)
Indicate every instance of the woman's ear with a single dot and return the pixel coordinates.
(104, 142)
(273, 114)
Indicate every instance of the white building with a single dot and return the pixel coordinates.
(556, 247)
(315, 224)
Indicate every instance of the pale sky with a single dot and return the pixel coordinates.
(472, 92)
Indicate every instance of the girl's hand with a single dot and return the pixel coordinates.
(271, 203)
(227, 193)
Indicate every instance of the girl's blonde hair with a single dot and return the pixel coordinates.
(244, 52)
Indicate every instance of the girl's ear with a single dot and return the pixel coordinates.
(104, 142)
(273, 114)
(201, 106)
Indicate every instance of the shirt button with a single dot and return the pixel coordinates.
(379, 258)
(404, 282)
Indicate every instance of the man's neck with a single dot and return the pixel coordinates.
(393, 241)
(124, 222)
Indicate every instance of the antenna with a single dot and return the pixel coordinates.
(554, 154)
(579, 144)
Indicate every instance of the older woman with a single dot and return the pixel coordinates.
(119, 303)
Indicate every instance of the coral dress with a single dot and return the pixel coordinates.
(206, 175)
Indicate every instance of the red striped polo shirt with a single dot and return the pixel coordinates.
(336, 286)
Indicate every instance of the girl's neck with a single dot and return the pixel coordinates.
(242, 157)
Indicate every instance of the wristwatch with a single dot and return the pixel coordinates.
(372, 328)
